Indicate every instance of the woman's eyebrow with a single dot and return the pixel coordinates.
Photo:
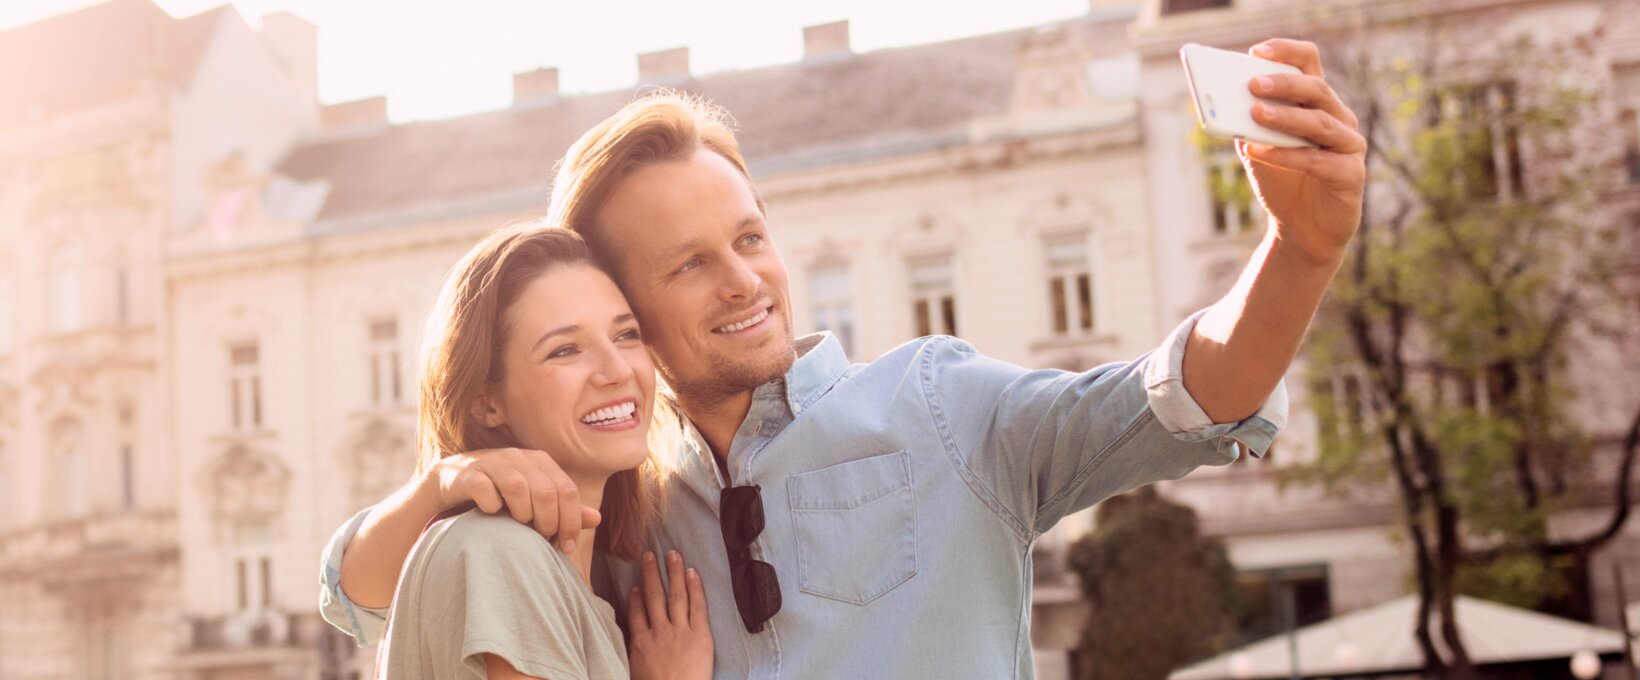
(561, 330)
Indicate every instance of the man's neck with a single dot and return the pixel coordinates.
(717, 419)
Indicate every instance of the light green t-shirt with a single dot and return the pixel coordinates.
(479, 584)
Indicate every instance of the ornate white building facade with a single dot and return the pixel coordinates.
(212, 289)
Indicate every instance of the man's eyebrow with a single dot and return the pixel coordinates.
(561, 330)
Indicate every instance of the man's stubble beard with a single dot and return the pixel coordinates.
(729, 375)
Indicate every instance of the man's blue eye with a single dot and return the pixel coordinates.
(690, 265)
(753, 239)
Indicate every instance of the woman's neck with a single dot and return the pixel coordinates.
(592, 496)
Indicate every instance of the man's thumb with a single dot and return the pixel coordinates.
(590, 518)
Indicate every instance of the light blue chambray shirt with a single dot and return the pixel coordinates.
(902, 498)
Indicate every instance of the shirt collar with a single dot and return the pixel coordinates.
(820, 364)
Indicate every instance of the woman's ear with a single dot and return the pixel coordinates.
(487, 410)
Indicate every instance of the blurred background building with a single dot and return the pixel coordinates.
(211, 289)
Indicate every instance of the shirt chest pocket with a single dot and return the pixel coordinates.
(856, 527)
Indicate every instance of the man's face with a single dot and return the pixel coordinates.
(704, 278)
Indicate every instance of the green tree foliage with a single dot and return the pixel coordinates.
(1487, 264)
(1162, 594)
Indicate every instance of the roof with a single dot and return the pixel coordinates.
(1380, 640)
(790, 116)
(783, 112)
(98, 54)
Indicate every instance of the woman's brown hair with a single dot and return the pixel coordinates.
(461, 357)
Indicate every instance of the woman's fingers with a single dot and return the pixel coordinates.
(636, 619)
(677, 595)
(653, 594)
(697, 603)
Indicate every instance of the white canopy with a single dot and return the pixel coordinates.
(1379, 639)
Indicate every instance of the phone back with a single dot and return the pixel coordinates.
(1218, 87)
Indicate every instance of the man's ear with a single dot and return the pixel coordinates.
(487, 409)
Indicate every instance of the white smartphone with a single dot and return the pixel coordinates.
(1224, 106)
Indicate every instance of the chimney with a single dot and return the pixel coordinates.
(826, 41)
(665, 67)
(538, 85)
(295, 44)
(354, 114)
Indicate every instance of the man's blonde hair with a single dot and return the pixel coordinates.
(661, 126)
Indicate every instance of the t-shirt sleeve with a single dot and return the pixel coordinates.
(493, 586)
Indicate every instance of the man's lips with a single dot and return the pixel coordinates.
(763, 313)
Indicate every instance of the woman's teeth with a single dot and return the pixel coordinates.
(611, 415)
(745, 324)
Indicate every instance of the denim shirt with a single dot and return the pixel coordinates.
(902, 498)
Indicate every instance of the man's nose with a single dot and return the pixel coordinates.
(739, 281)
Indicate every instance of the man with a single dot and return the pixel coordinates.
(876, 520)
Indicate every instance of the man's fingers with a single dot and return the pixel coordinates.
(636, 619)
(1307, 91)
(677, 595)
(1303, 54)
(1315, 125)
(697, 603)
(654, 595)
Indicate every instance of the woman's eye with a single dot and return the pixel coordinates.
(628, 334)
(562, 352)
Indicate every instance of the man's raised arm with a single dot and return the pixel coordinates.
(1244, 343)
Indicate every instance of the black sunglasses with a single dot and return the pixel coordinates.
(757, 589)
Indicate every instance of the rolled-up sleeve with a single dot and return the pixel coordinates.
(1181, 415)
(365, 624)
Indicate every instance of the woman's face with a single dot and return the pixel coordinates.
(578, 383)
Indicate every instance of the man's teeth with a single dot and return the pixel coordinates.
(745, 324)
(610, 415)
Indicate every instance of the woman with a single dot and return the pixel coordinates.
(531, 346)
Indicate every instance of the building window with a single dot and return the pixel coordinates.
(106, 647)
(933, 296)
(1234, 209)
(8, 325)
(1276, 600)
(1490, 138)
(6, 495)
(1070, 284)
(64, 313)
(385, 386)
(1182, 6)
(252, 558)
(122, 295)
(244, 387)
(1630, 125)
(68, 493)
(832, 300)
(128, 487)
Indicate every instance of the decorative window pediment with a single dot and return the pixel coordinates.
(246, 483)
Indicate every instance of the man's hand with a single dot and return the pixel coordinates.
(527, 484)
(671, 637)
(1313, 195)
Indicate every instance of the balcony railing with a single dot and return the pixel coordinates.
(83, 538)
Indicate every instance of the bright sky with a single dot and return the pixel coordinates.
(441, 59)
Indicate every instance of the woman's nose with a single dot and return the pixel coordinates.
(613, 367)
